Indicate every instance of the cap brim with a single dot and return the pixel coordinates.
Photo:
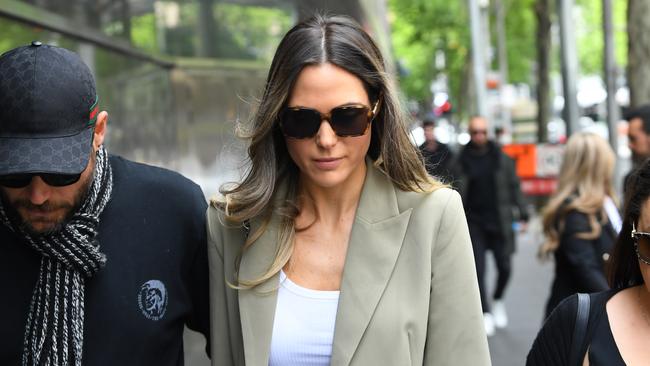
(59, 155)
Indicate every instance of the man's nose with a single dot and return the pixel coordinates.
(39, 191)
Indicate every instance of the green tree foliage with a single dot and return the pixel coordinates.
(589, 34)
(143, 33)
(255, 30)
(15, 34)
(423, 27)
(520, 40)
(242, 31)
(420, 28)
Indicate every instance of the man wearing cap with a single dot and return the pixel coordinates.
(102, 260)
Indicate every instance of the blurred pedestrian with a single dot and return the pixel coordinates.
(638, 133)
(638, 136)
(615, 326)
(486, 179)
(437, 156)
(337, 247)
(103, 261)
(581, 219)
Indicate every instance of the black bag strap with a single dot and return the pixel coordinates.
(579, 330)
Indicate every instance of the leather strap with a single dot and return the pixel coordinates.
(579, 330)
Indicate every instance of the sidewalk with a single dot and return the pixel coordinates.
(525, 299)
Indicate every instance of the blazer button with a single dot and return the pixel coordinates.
(605, 257)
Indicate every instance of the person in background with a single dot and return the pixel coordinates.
(437, 156)
(103, 261)
(638, 136)
(337, 247)
(581, 219)
(638, 133)
(617, 328)
(485, 177)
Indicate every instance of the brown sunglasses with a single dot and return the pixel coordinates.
(346, 121)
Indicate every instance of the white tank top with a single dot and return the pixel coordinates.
(303, 327)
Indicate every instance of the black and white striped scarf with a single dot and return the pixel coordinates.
(54, 330)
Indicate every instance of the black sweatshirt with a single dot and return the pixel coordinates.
(153, 234)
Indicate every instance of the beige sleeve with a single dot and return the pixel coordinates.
(225, 333)
(455, 334)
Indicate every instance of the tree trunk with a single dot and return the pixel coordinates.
(125, 16)
(207, 29)
(543, 15)
(638, 67)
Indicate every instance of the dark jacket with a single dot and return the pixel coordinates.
(152, 232)
(580, 263)
(508, 197)
(553, 344)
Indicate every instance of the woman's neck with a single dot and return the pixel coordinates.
(329, 204)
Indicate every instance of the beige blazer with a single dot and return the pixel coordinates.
(409, 293)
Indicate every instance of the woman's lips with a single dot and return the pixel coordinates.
(327, 163)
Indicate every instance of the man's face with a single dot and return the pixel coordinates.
(42, 208)
(428, 133)
(638, 140)
(478, 131)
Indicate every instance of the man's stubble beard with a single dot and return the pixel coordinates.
(13, 214)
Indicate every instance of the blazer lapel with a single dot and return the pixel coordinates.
(257, 306)
(375, 242)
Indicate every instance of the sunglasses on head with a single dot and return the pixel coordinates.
(346, 121)
(23, 180)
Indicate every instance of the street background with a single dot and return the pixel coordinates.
(177, 75)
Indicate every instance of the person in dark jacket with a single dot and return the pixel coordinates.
(437, 156)
(103, 261)
(581, 220)
(617, 326)
(485, 177)
(638, 133)
(638, 136)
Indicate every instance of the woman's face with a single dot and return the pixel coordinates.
(644, 226)
(327, 160)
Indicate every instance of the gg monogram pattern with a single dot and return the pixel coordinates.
(46, 95)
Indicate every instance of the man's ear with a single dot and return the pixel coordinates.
(100, 130)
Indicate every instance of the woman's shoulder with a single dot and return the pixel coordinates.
(575, 221)
(563, 316)
(436, 200)
(554, 340)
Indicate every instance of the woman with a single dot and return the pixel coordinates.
(618, 325)
(337, 248)
(581, 219)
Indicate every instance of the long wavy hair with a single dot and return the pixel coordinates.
(340, 41)
(585, 180)
(624, 265)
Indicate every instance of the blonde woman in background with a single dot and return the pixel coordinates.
(581, 220)
(337, 248)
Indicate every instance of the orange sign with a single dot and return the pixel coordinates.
(537, 165)
(525, 156)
